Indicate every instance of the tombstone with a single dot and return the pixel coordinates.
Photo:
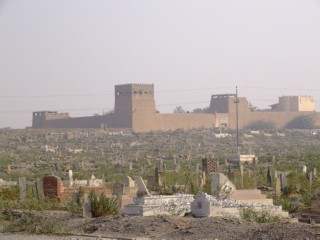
(177, 168)
(241, 170)
(197, 168)
(23, 187)
(39, 187)
(149, 162)
(310, 174)
(127, 181)
(174, 189)
(57, 167)
(304, 169)
(269, 178)
(9, 169)
(70, 173)
(117, 190)
(86, 209)
(201, 182)
(314, 172)
(52, 186)
(221, 184)
(82, 165)
(151, 180)
(74, 167)
(278, 186)
(161, 165)
(156, 176)
(130, 166)
(284, 182)
(142, 189)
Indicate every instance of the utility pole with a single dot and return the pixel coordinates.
(237, 119)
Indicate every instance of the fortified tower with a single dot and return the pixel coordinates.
(135, 106)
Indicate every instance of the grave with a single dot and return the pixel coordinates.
(146, 205)
(205, 205)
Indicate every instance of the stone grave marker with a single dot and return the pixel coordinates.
(23, 187)
(39, 187)
(142, 189)
(86, 210)
(117, 190)
(278, 186)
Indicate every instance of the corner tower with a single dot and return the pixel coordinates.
(134, 106)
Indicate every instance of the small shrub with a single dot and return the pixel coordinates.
(103, 206)
(252, 215)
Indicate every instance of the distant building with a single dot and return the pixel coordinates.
(294, 104)
(135, 109)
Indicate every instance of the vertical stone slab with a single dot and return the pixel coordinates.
(141, 186)
(161, 165)
(117, 190)
(215, 185)
(304, 169)
(39, 187)
(86, 209)
(278, 186)
(23, 187)
(314, 172)
(130, 166)
(284, 182)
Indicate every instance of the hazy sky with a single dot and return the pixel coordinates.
(67, 55)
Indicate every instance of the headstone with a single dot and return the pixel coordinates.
(221, 185)
(74, 167)
(9, 169)
(86, 210)
(39, 187)
(70, 173)
(52, 186)
(23, 187)
(142, 189)
(151, 180)
(269, 178)
(117, 189)
(197, 167)
(57, 167)
(161, 166)
(177, 168)
(314, 172)
(127, 181)
(284, 181)
(304, 169)
(130, 166)
(278, 186)
(310, 177)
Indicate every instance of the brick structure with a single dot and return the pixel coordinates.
(210, 165)
(53, 188)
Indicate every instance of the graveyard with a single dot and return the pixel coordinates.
(178, 184)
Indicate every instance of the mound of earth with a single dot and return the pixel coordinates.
(169, 227)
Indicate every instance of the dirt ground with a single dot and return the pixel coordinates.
(161, 227)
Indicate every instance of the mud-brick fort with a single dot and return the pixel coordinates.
(135, 109)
